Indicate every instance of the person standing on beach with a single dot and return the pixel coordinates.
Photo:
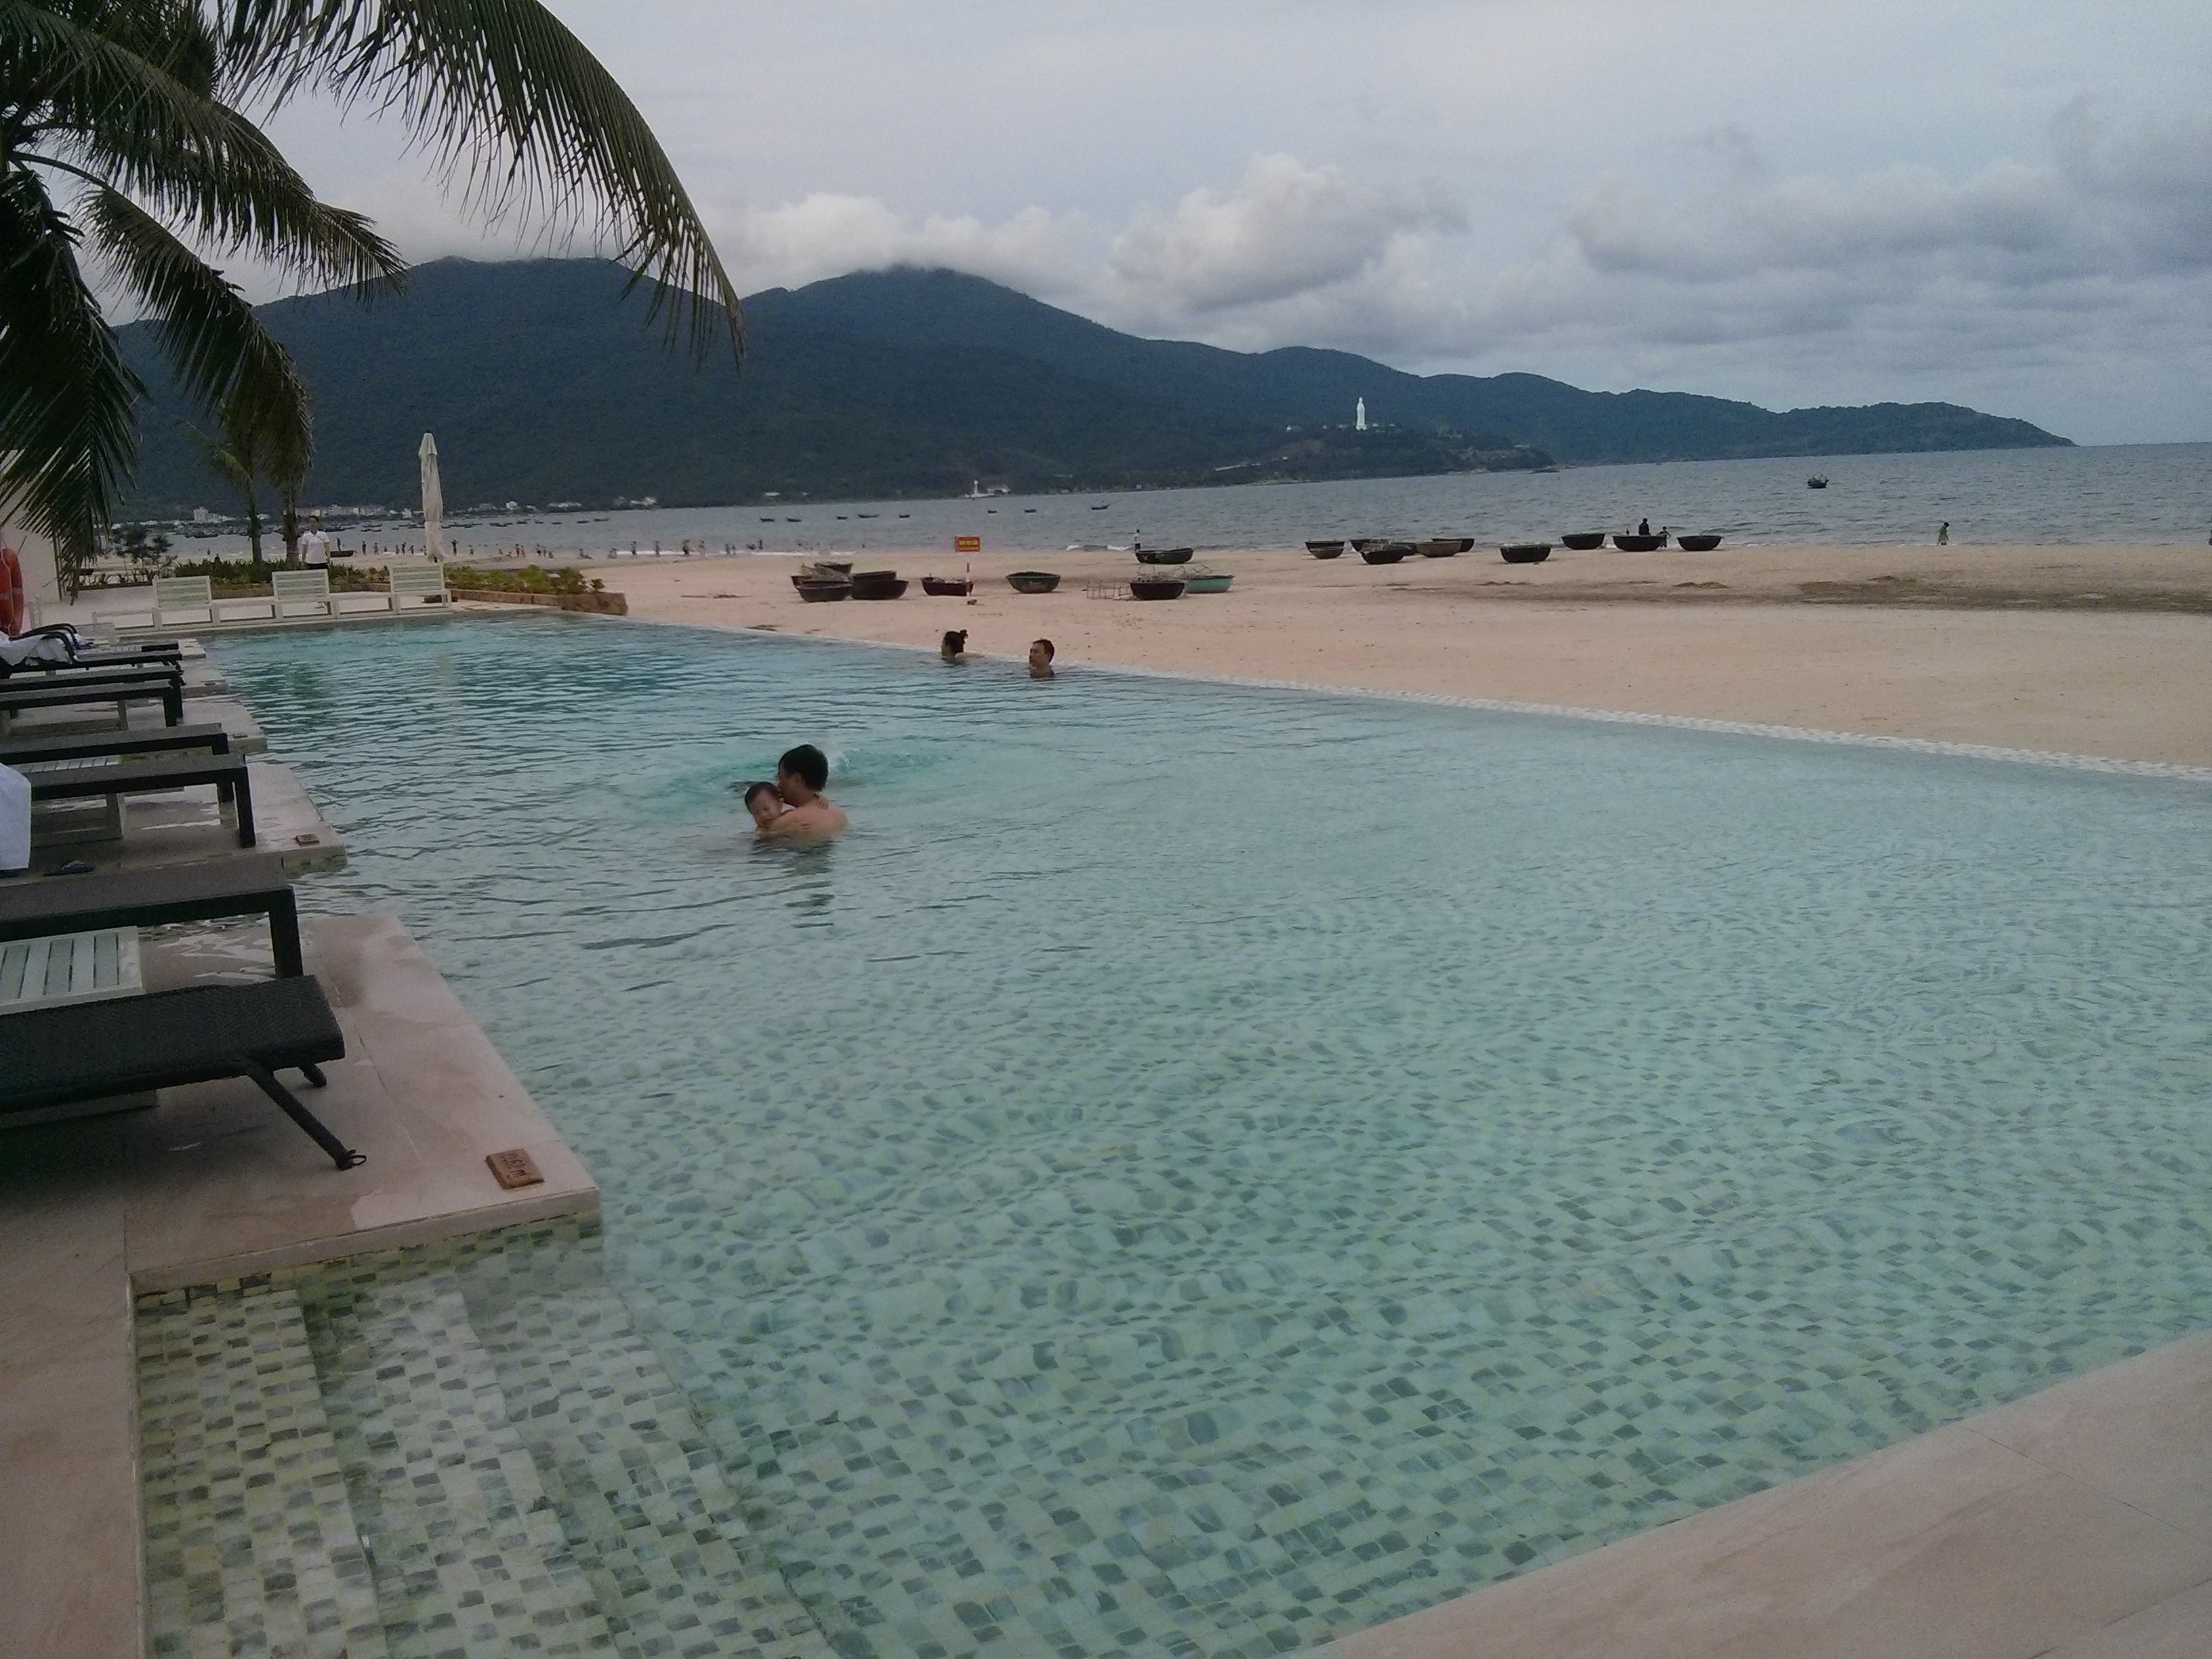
(1040, 655)
(1943, 534)
(315, 547)
(800, 777)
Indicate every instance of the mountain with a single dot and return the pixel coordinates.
(543, 384)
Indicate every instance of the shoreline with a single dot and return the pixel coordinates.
(2108, 672)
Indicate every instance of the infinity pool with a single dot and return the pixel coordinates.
(1201, 1170)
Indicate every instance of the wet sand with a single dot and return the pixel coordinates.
(2082, 650)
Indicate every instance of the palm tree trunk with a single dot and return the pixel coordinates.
(253, 530)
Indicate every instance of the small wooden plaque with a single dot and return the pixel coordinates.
(514, 1169)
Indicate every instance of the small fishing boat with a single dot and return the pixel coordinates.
(947, 587)
(1032, 581)
(1326, 549)
(1702, 544)
(820, 590)
(1207, 582)
(1386, 552)
(1628, 544)
(1818, 480)
(1157, 587)
(878, 585)
(1526, 552)
(1441, 547)
(1162, 555)
(1100, 506)
(1582, 541)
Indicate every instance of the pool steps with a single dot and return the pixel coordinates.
(422, 1458)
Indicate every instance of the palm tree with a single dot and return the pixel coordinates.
(127, 137)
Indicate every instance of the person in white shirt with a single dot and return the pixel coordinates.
(315, 549)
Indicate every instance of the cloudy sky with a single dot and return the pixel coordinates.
(2005, 205)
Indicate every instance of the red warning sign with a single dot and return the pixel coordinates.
(967, 543)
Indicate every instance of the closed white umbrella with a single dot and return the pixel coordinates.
(434, 500)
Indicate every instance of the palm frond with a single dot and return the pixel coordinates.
(100, 106)
(503, 94)
(67, 432)
(209, 334)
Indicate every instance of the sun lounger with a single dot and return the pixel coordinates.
(426, 583)
(90, 1051)
(92, 674)
(176, 596)
(233, 886)
(299, 590)
(94, 780)
(86, 745)
(59, 968)
(168, 689)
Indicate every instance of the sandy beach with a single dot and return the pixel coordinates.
(2081, 650)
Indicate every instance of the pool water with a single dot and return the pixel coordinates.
(1201, 1170)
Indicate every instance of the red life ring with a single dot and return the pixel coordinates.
(15, 608)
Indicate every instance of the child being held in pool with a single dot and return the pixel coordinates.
(765, 804)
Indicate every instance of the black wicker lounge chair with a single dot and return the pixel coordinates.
(90, 1050)
(255, 884)
(84, 690)
(152, 775)
(89, 745)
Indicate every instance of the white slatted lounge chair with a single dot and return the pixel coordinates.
(299, 592)
(66, 967)
(426, 583)
(177, 594)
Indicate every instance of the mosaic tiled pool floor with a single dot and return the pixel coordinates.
(1200, 1170)
(462, 1449)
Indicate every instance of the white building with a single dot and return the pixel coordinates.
(1359, 415)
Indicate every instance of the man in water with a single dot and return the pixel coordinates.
(954, 645)
(1040, 654)
(800, 777)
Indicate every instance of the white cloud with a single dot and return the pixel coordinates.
(1288, 230)
(827, 235)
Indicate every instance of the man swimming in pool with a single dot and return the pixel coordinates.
(800, 777)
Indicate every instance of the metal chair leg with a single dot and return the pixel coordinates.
(341, 1154)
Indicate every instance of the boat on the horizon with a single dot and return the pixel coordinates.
(1818, 480)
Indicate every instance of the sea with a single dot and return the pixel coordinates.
(2118, 494)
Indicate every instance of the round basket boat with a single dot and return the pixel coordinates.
(878, 585)
(1386, 552)
(1210, 581)
(1158, 588)
(1526, 552)
(1326, 549)
(818, 591)
(1582, 541)
(1033, 581)
(1164, 555)
(947, 587)
(1442, 547)
(1639, 544)
(1704, 544)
